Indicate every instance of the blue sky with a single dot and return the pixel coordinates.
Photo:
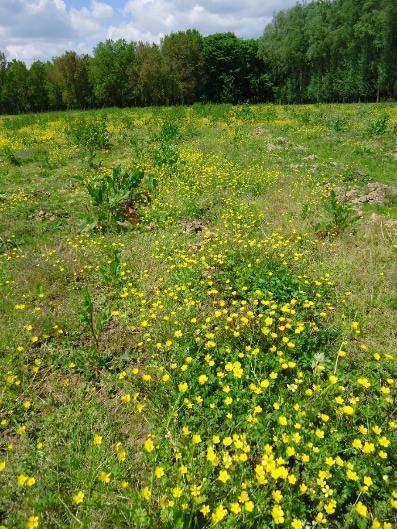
(41, 29)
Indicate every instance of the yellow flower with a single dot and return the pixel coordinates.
(148, 445)
(33, 522)
(223, 476)
(361, 509)
(196, 439)
(296, 524)
(205, 510)
(368, 481)
(353, 476)
(357, 444)
(21, 479)
(202, 379)
(249, 506)
(21, 430)
(320, 518)
(277, 496)
(159, 472)
(235, 507)
(219, 514)
(97, 440)
(2, 465)
(177, 492)
(384, 441)
(243, 498)
(282, 421)
(368, 448)
(78, 497)
(146, 493)
(104, 477)
(330, 507)
(183, 387)
(24, 480)
(120, 452)
(333, 379)
(278, 514)
(364, 382)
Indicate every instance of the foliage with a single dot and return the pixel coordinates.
(233, 71)
(339, 124)
(339, 216)
(183, 60)
(379, 126)
(110, 71)
(342, 50)
(333, 51)
(90, 135)
(95, 322)
(166, 153)
(113, 194)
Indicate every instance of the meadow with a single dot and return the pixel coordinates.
(198, 318)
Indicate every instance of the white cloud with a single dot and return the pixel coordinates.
(101, 10)
(131, 32)
(31, 29)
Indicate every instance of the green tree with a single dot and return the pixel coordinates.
(112, 64)
(341, 50)
(70, 75)
(38, 87)
(183, 63)
(15, 88)
(234, 72)
(149, 75)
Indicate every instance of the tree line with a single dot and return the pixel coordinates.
(326, 50)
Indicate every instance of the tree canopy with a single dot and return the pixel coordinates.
(325, 50)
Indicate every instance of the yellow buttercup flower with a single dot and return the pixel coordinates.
(361, 509)
(78, 497)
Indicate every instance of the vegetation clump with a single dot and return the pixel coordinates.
(114, 196)
(340, 216)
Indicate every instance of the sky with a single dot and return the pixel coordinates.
(42, 29)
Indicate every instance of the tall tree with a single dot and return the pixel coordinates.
(234, 72)
(183, 62)
(149, 75)
(38, 87)
(70, 75)
(113, 62)
(15, 88)
(340, 50)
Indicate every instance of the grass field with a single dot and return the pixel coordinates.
(207, 335)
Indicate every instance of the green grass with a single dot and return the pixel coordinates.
(138, 332)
